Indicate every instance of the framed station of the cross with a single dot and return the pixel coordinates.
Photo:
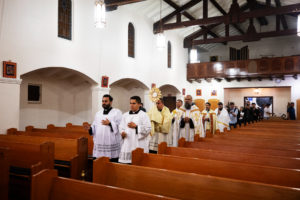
(9, 69)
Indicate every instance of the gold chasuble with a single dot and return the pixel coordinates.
(189, 129)
(160, 126)
(211, 124)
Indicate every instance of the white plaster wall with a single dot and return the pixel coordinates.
(150, 64)
(281, 96)
(28, 36)
(62, 102)
(272, 47)
(122, 97)
(9, 104)
(30, 39)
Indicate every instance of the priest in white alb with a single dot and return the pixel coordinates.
(135, 130)
(209, 119)
(161, 119)
(223, 118)
(105, 130)
(174, 130)
(190, 120)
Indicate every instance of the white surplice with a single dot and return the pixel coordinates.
(135, 138)
(223, 120)
(174, 131)
(107, 138)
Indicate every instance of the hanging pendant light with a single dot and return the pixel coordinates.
(193, 53)
(100, 20)
(298, 26)
(160, 38)
(160, 41)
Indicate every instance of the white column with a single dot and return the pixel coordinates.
(9, 103)
(97, 94)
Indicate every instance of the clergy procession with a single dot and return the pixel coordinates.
(183, 154)
(115, 135)
(149, 99)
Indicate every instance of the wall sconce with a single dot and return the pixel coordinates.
(256, 91)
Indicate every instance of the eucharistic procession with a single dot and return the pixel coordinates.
(150, 99)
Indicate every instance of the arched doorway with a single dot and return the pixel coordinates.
(65, 95)
(170, 94)
(123, 89)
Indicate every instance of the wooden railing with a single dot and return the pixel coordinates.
(255, 68)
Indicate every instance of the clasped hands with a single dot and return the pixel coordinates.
(130, 125)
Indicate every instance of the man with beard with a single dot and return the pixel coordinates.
(105, 130)
(209, 119)
(135, 129)
(161, 119)
(174, 131)
(222, 118)
(190, 123)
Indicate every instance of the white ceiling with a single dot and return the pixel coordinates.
(151, 9)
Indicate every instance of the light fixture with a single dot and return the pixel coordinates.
(298, 26)
(160, 39)
(100, 20)
(256, 91)
(193, 55)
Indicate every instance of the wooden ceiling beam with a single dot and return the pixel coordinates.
(203, 30)
(282, 17)
(109, 3)
(156, 25)
(187, 42)
(253, 5)
(294, 8)
(244, 37)
(221, 10)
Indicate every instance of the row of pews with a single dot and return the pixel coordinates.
(258, 161)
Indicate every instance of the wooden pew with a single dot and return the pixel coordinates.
(24, 161)
(184, 185)
(66, 152)
(240, 149)
(28, 155)
(245, 135)
(64, 132)
(225, 169)
(253, 143)
(82, 151)
(4, 173)
(273, 161)
(77, 127)
(46, 185)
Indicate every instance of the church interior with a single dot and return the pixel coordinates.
(59, 58)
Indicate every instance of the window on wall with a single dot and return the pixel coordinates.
(130, 40)
(65, 19)
(34, 93)
(169, 54)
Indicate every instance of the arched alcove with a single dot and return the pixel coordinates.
(65, 96)
(123, 89)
